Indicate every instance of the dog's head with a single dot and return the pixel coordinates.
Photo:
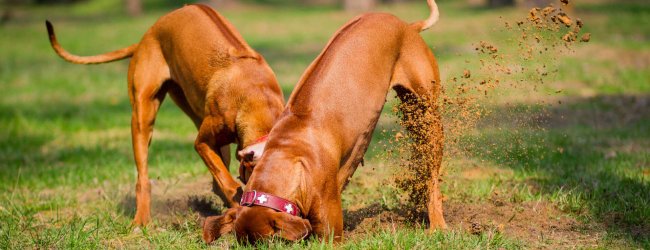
(252, 224)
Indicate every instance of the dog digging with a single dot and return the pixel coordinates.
(540, 38)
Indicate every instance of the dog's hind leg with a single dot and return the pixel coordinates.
(417, 83)
(147, 74)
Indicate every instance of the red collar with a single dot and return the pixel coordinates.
(261, 139)
(253, 198)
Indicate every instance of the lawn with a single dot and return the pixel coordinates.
(559, 164)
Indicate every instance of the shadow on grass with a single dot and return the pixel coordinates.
(68, 112)
(591, 155)
(352, 219)
(403, 214)
(204, 206)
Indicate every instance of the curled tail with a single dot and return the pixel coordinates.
(103, 58)
(433, 17)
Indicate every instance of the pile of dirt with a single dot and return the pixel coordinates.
(536, 224)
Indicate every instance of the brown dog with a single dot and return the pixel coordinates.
(227, 89)
(321, 136)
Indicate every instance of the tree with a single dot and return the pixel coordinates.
(320, 2)
(220, 3)
(358, 5)
(133, 7)
(538, 3)
(501, 3)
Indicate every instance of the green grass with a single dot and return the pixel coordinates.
(67, 174)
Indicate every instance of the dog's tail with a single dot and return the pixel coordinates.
(433, 17)
(103, 58)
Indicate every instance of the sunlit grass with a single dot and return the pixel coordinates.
(67, 174)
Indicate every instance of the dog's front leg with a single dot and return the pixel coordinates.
(229, 190)
(328, 222)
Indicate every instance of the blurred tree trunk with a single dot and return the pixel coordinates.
(320, 2)
(358, 5)
(538, 3)
(501, 3)
(133, 7)
(220, 3)
(475, 3)
(7, 14)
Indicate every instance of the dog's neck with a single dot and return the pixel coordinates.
(254, 119)
(249, 134)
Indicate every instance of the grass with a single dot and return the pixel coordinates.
(67, 174)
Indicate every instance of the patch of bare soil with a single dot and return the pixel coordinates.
(597, 112)
(482, 173)
(370, 219)
(536, 224)
(173, 201)
(623, 57)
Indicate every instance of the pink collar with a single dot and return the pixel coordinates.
(252, 198)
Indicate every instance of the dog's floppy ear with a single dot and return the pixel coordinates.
(215, 226)
(292, 228)
(248, 158)
(252, 153)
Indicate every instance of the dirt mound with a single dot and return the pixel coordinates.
(536, 224)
